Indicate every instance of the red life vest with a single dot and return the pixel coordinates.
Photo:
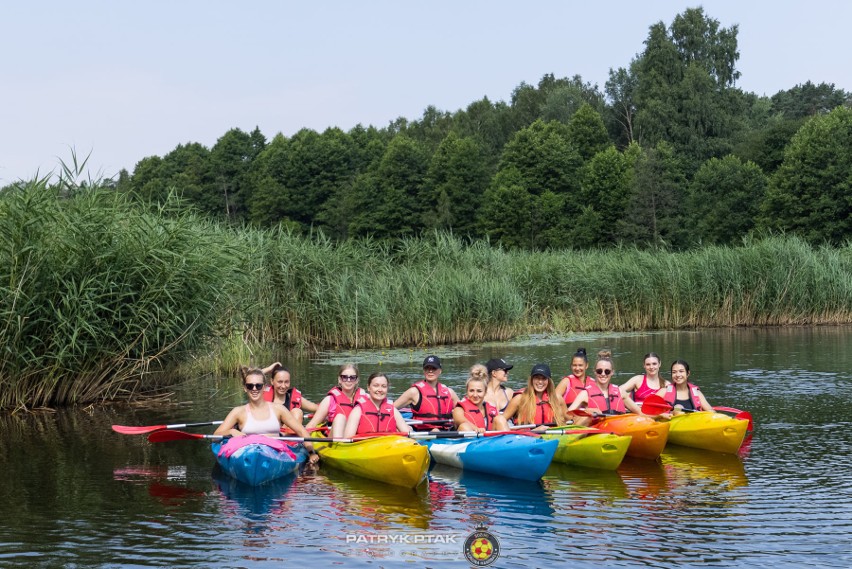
(474, 415)
(340, 403)
(543, 413)
(603, 403)
(575, 386)
(293, 400)
(671, 395)
(373, 419)
(432, 404)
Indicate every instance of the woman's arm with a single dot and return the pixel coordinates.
(309, 405)
(408, 397)
(229, 425)
(320, 414)
(401, 425)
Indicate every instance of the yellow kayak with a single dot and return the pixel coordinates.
(391, 459)
(707, 430)
(604, 450)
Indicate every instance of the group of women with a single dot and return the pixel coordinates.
(488, 403)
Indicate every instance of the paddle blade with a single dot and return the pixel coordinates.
(137, 430)
(655, 405)
(167, 436)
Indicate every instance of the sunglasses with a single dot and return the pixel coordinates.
(345, 377)
(603, 371)
(254, 386)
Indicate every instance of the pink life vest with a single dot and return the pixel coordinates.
(603, 403)
(474, 415)
(671, 395)
(643, 391)
(575, 386)
(340, 403)
(376, 420)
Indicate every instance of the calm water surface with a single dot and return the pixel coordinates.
(77, 494)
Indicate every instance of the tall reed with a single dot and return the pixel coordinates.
(95, 293)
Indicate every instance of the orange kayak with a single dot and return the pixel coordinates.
(648, 436)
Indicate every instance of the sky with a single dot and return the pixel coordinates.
(121, 81)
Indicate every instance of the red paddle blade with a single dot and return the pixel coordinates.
(166, 436)
(137, 430)
(655, 405)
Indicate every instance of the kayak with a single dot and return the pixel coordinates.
(707, 430)
(390, 459)
(648, 436)
(602, 450)
(257, 463)
(513, 456)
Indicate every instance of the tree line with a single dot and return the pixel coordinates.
(670, 153)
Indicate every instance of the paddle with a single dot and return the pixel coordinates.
(429, 422)
(167, 436)
(150, 429)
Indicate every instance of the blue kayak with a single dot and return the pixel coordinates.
(512, 456)
(255, 464)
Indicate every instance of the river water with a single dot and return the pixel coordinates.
(76, 494)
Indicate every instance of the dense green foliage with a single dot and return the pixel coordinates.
(563, 164)
(99, 292)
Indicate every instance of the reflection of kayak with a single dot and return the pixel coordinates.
(523, 501)
(258, 463)
(603, 451)
(584, 485)
(696, 464)
(648, 436)
(392, 459)
(381, 504)
(512, 456)
(255, 500)
(707, 430)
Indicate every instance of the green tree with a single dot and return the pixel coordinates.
(230, 160)
(545, 157)
(807, 100)
(811, 193)
(604, 196)
(655, 211)
(457, 177)
(587, 132)
(507, 213)
(724, 200)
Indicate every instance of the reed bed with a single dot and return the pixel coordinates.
(98, 293)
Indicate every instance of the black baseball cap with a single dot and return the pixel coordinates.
(432, 361)
(497, 363)
(540, 369)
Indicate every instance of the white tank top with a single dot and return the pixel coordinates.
(269, 426)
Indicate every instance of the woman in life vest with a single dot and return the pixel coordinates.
(340, 400)
(260, 417)
(428, 398)
(538, 403)
(681, 394)
(638, 387)
(473, 412)
(496, 392)
(601, 396)
(284, 393)
(573, 384)
(373, 413)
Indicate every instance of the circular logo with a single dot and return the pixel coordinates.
(481, 548)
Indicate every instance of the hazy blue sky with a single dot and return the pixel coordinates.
(127, 80)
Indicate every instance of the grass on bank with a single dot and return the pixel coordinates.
(98, 292)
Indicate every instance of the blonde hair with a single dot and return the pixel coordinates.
(247, 371)
(606, 356)
(478, 372)
(526, 408)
